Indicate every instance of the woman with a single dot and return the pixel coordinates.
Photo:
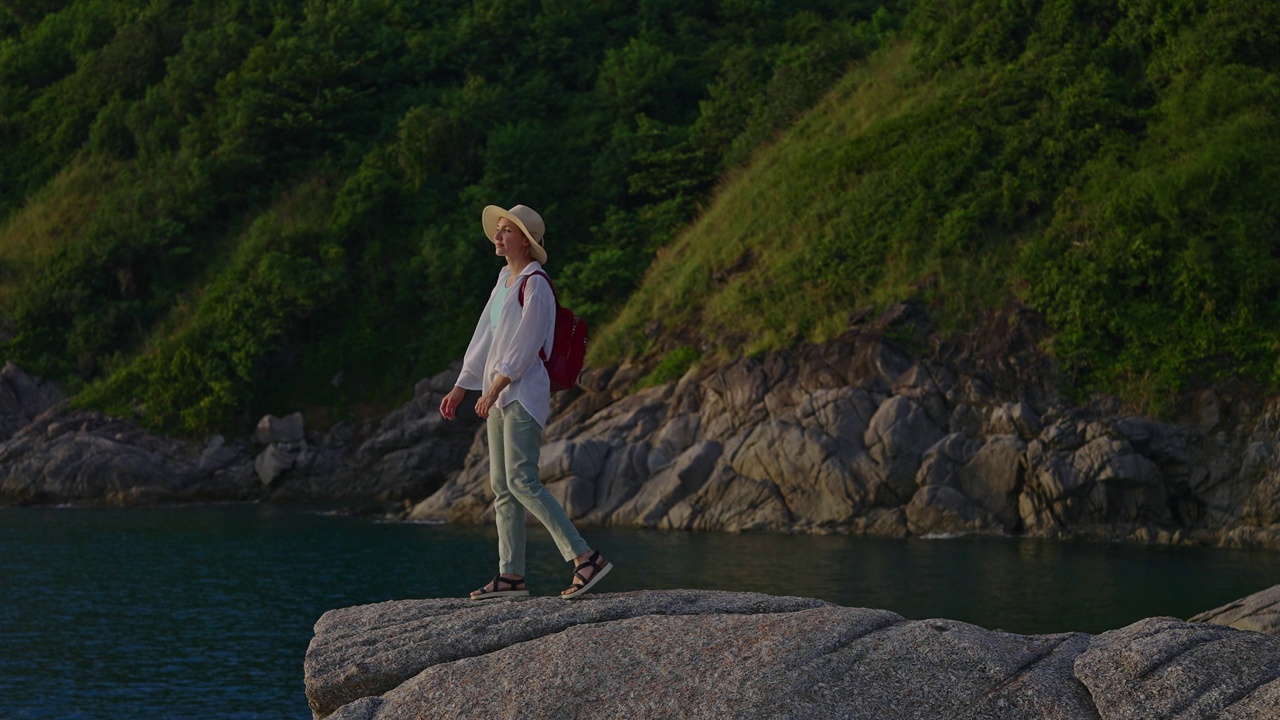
(503, 363)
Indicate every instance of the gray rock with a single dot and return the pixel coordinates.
(1259, 612)
(728, 501)
(838, 437)
(23, 398)
(669, 486)
(806, 469)
(945, 510)
(920, 385)
(1062, 435)
(966, 419)
(465, 496)
(576, 495)
(272, 429)
(218, 455)
(414, 451)
(843, 413)
(1262, 507)
(569, 459)
(940, 464)
(372, 649)
(277, 459)
(735, 396)
(897, 438)
(633, 418)
(704, 654)
(1104, 482)
(572, 470)
(294, 466)
(624, 474)
(993, 477)
(827, 437)
(1014, 419)
(67, 455)
(672, 439)
(1168, 668)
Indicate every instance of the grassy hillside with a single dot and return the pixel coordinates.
(1114, 166)
(209, 211)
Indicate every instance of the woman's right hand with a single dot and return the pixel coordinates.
(449, 403)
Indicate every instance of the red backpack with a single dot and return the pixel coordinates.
(568, 348)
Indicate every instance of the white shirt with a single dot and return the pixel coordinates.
(511, 349)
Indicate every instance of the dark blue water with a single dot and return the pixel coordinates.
(206, 611)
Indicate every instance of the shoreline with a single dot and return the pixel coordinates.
(858, 436)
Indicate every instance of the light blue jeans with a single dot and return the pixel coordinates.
(515, 442)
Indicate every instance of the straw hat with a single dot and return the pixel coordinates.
(529, 222)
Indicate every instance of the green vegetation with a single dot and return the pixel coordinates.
(209, 211)
(673, 365)
(1115, 166)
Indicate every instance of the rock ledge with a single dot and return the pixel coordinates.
(695, 654)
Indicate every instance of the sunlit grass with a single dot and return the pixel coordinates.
(51, 220)
(757, 271)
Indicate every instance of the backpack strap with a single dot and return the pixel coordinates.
(546, 277)
(541, 353)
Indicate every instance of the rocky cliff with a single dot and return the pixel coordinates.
(53, 452)
(701, 654)
(861, 435)
(887, 430)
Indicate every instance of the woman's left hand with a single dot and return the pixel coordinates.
(486, 402)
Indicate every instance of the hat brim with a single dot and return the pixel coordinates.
(492, 214)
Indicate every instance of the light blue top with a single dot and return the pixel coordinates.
(499, 298)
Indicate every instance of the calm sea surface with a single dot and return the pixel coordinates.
(206, 611)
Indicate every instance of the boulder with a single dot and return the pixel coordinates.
(1259, 612)
(370, 650)
(68, 456)
(940, 464)
(896, 440)
(1169, 668)
(683, 477)
(218, 455)
(940, 509)
(807, 469)
(23, 398)
(1263, 504)
(842, 413)
(275, 460)
(625, 472)
(992, 477)
(728, 501)
(965, 419)
(466, 496)
(272, 429)
(414, 451)
(1017, 419)
(708, 654)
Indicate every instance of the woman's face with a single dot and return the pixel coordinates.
(509, 241)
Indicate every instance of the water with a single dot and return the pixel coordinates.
(206, 611)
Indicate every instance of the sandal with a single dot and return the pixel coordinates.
(580, 582)
(515, 588)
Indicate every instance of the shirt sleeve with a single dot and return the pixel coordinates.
(537, 320)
